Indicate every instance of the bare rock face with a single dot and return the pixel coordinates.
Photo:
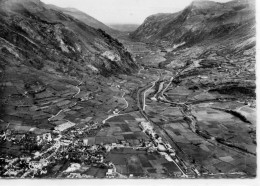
(111, 56)
(38, 34)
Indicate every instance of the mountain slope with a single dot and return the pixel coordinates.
(85, 18)
(55, 36)
(215, 42)
(199, 21)
(44, 56)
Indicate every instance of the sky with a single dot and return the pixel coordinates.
(123, 11)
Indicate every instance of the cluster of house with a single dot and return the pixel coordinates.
(66, 142)
(163, 148)
(64, 126)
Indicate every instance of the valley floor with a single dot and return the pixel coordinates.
(176, 117)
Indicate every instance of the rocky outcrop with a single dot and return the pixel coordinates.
(47, 39)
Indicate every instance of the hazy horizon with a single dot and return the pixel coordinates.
(123, 11)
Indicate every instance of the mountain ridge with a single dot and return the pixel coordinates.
(82, 42)
(197, 20)
(85, 18)
(48, 51)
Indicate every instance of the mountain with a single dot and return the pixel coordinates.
(45, 53)
(200, 21)
(212, 39)
(74, 104)
(124, 27)
(34, 31)
(85, 18)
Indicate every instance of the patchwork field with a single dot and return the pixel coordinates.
(142, 164)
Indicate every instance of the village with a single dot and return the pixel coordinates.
(67, 143)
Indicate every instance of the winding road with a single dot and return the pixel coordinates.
(142, 68)
(117, 113)
(153, 84)
(78, 89)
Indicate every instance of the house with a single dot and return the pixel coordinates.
(110, 173)
(65, 142)
(47, 137)
(85, 142)
(64, 126)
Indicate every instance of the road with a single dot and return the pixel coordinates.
(126, 103)
(140, 103)
(53, 116)
(116, 113)
(170, 82)
(153, 84)
(142, 68)
(78, 89)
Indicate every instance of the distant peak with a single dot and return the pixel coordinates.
(18, 4)
(71, 9)
(24, 1)
(199, 1)
(202, 2)
(10, 2)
